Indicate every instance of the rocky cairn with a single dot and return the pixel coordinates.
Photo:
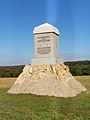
(51, 80)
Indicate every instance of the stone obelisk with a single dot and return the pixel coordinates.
(46, 42)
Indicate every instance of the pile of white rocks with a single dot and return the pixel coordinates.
(51, 80)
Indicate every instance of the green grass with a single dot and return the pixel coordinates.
(31, 107)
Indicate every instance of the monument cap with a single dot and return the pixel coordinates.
(45, 28)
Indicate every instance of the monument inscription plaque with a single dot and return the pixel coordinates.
(42, 45)
(46, 42)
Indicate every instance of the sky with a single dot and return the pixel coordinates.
(19, 17)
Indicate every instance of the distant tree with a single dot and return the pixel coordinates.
(79, 67)
(10, 71)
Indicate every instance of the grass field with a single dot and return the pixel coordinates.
(31, 107)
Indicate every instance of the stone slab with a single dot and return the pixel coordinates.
(45, 61)
(46, 27)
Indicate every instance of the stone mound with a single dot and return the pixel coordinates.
(50, 80)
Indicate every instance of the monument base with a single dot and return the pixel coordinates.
(45, 61)
(51, 80)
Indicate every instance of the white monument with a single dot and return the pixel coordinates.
(46, 42)
(47, 74)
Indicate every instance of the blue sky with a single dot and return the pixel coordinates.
(19, 17)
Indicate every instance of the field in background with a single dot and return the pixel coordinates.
(6, 82)
(32, 107)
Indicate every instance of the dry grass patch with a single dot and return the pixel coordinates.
(6, 82)
(84, 80)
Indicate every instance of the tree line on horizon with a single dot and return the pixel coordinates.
(77, 68)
